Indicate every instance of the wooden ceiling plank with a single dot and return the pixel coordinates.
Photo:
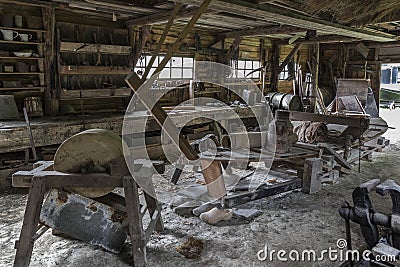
(123, 6)
(261, 31)
(282, 16)
(161, 40)
(160, 17)
(175, 47)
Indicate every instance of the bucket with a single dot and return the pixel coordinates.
(33, 105)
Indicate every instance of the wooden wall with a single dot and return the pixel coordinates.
(345, 61)
(83, 60)
(22, 76)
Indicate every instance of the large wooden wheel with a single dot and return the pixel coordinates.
(90, 151)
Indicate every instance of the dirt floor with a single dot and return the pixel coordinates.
(290, 221)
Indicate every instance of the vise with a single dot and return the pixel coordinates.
(363, 214)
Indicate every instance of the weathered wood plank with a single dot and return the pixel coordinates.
(94, 48)
(47, 131)
(89, 93)
(281, 16)
(93, 70)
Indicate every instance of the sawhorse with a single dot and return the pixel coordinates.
(42, 178)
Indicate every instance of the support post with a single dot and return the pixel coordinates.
(183, 34)
(315, 67)
(135, 221)
(139, 45)
(275, 66)
(50, 96)
(289, 57)
(232, 50)
(25, 243)
(161, 40)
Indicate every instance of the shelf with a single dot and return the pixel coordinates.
(21, 73)
(94, 70)
(19, 42)
(40, 89)
(23, 58)
(93, 93)
(21, 29)
(208, 92)
(94, 48)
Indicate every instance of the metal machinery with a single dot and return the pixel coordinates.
(372, 223)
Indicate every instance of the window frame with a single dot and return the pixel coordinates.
(183, 65)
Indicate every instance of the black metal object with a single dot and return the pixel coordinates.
(262, 192)
(363, 213)
(392, 188)
(362, 210)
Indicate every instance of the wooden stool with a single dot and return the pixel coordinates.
(42, 178)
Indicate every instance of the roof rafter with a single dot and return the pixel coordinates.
(277, 15)
(261, 31)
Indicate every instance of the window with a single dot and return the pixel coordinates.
(176, 68)
(284, 75)
(245, 68)
(288, 72)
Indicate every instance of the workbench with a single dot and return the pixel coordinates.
(54, 130)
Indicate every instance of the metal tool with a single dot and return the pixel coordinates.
(390, 187)
(363, 214)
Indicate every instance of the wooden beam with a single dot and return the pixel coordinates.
(315, 68)
(161, 40)
(160, 17)
(262, 31)
(324, 39)
(279, 69)
(279, 15)
(36, 3)
(94, 48)
(159, 114)
(93, 70)
(329, 119)
(175, 47)
(289, 57)
(134, 82)
(50, 98)
(109, 6)
(83, 5)
(139, 45)
(275, 66)
(232, 49)
(123, 6)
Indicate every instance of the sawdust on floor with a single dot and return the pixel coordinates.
(292, 221)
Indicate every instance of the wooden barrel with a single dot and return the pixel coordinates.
(283, 101)
(90, 151)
